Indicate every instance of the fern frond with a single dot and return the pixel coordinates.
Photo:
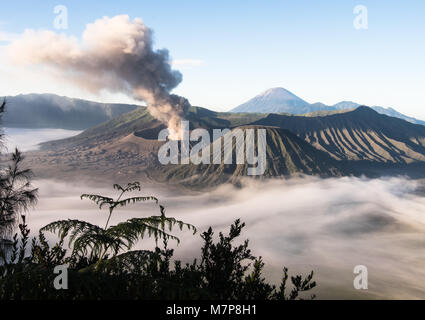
(77, 227)
(163, 221)
(118, 187)
(98, 199)
(130, 187)
(97, 243)
(134, 229)
(123, 203)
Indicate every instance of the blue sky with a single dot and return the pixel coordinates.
(229, 51)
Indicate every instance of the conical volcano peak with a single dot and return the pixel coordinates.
(279, 93)
(275, 100)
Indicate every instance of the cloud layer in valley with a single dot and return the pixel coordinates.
(325, 225)
(29, 139)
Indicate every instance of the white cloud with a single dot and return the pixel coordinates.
(7, 36)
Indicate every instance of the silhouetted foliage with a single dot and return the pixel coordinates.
(224, 271)
(16, 196)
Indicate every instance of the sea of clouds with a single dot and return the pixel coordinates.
(325, 225)
(29, 139)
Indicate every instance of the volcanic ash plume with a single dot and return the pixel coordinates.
(114, 54)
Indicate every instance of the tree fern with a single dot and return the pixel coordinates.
(89, 239)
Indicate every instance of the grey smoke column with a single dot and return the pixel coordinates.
(115, 54)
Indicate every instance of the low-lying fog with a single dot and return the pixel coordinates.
(328, 226)
(28, 139)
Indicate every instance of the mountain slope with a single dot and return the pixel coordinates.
(126, 147)
(287, 155)
(52, 111)
(344, 105)
(279, 100)
(140, 122)
(393, 113)
(362, 134)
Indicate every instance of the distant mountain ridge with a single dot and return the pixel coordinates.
(280, 100)
(359, 135)
(53, 111)
(359, 141)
